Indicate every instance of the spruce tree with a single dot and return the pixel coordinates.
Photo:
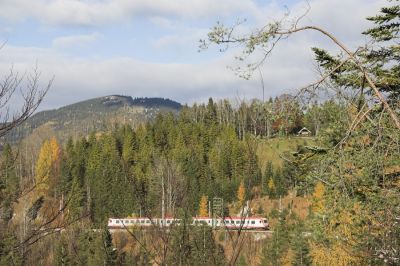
(9, 184)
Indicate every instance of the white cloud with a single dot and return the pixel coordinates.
(182, 40)
(78, 78)
(75, 40)
(92, 12)
(289, 67)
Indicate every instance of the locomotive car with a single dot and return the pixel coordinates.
(234, 223)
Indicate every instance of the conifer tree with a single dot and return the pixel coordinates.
(268, 175)
(9, 183)
(62, 254)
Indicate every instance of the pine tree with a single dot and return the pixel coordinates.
(268, 175)
(276, 247)
(102, 250)
(109, 249)
(61, 254)
(8, 254)
(211, 114)
(9, 183)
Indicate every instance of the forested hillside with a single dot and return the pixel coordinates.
(98, 114)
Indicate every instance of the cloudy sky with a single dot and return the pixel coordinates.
(150, 48)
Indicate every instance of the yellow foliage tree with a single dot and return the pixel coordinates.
(345, 229)
(55, 150)
(318, 196)
(55, 161)
(47, 166)
(271, 185)
(43, 167)
(241, 193)
(203, 210)
(336, 255)
(288, 258)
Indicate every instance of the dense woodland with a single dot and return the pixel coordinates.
(122, 173)
(54, 210)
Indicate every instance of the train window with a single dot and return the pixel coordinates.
(127, 221)
(147, 222)
(117, 221)
(237, 222)
(168, 221)
(265, 221)
(253, 222)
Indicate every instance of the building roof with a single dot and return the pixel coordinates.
(303, 129)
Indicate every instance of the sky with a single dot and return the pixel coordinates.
(147, 48)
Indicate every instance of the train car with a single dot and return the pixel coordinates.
(246, 223)
(233, 223)
(119, 223)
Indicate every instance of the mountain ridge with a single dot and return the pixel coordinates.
(95, 114)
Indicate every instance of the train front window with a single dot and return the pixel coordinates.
(265, 221)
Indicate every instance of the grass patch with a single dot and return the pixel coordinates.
(270, 149)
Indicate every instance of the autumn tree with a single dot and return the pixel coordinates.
(318, 196)
(203, 206)
(47, 166)
(241, 193)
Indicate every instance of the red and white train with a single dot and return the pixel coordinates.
(235, 223)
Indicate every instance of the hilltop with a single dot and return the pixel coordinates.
(97, 114)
